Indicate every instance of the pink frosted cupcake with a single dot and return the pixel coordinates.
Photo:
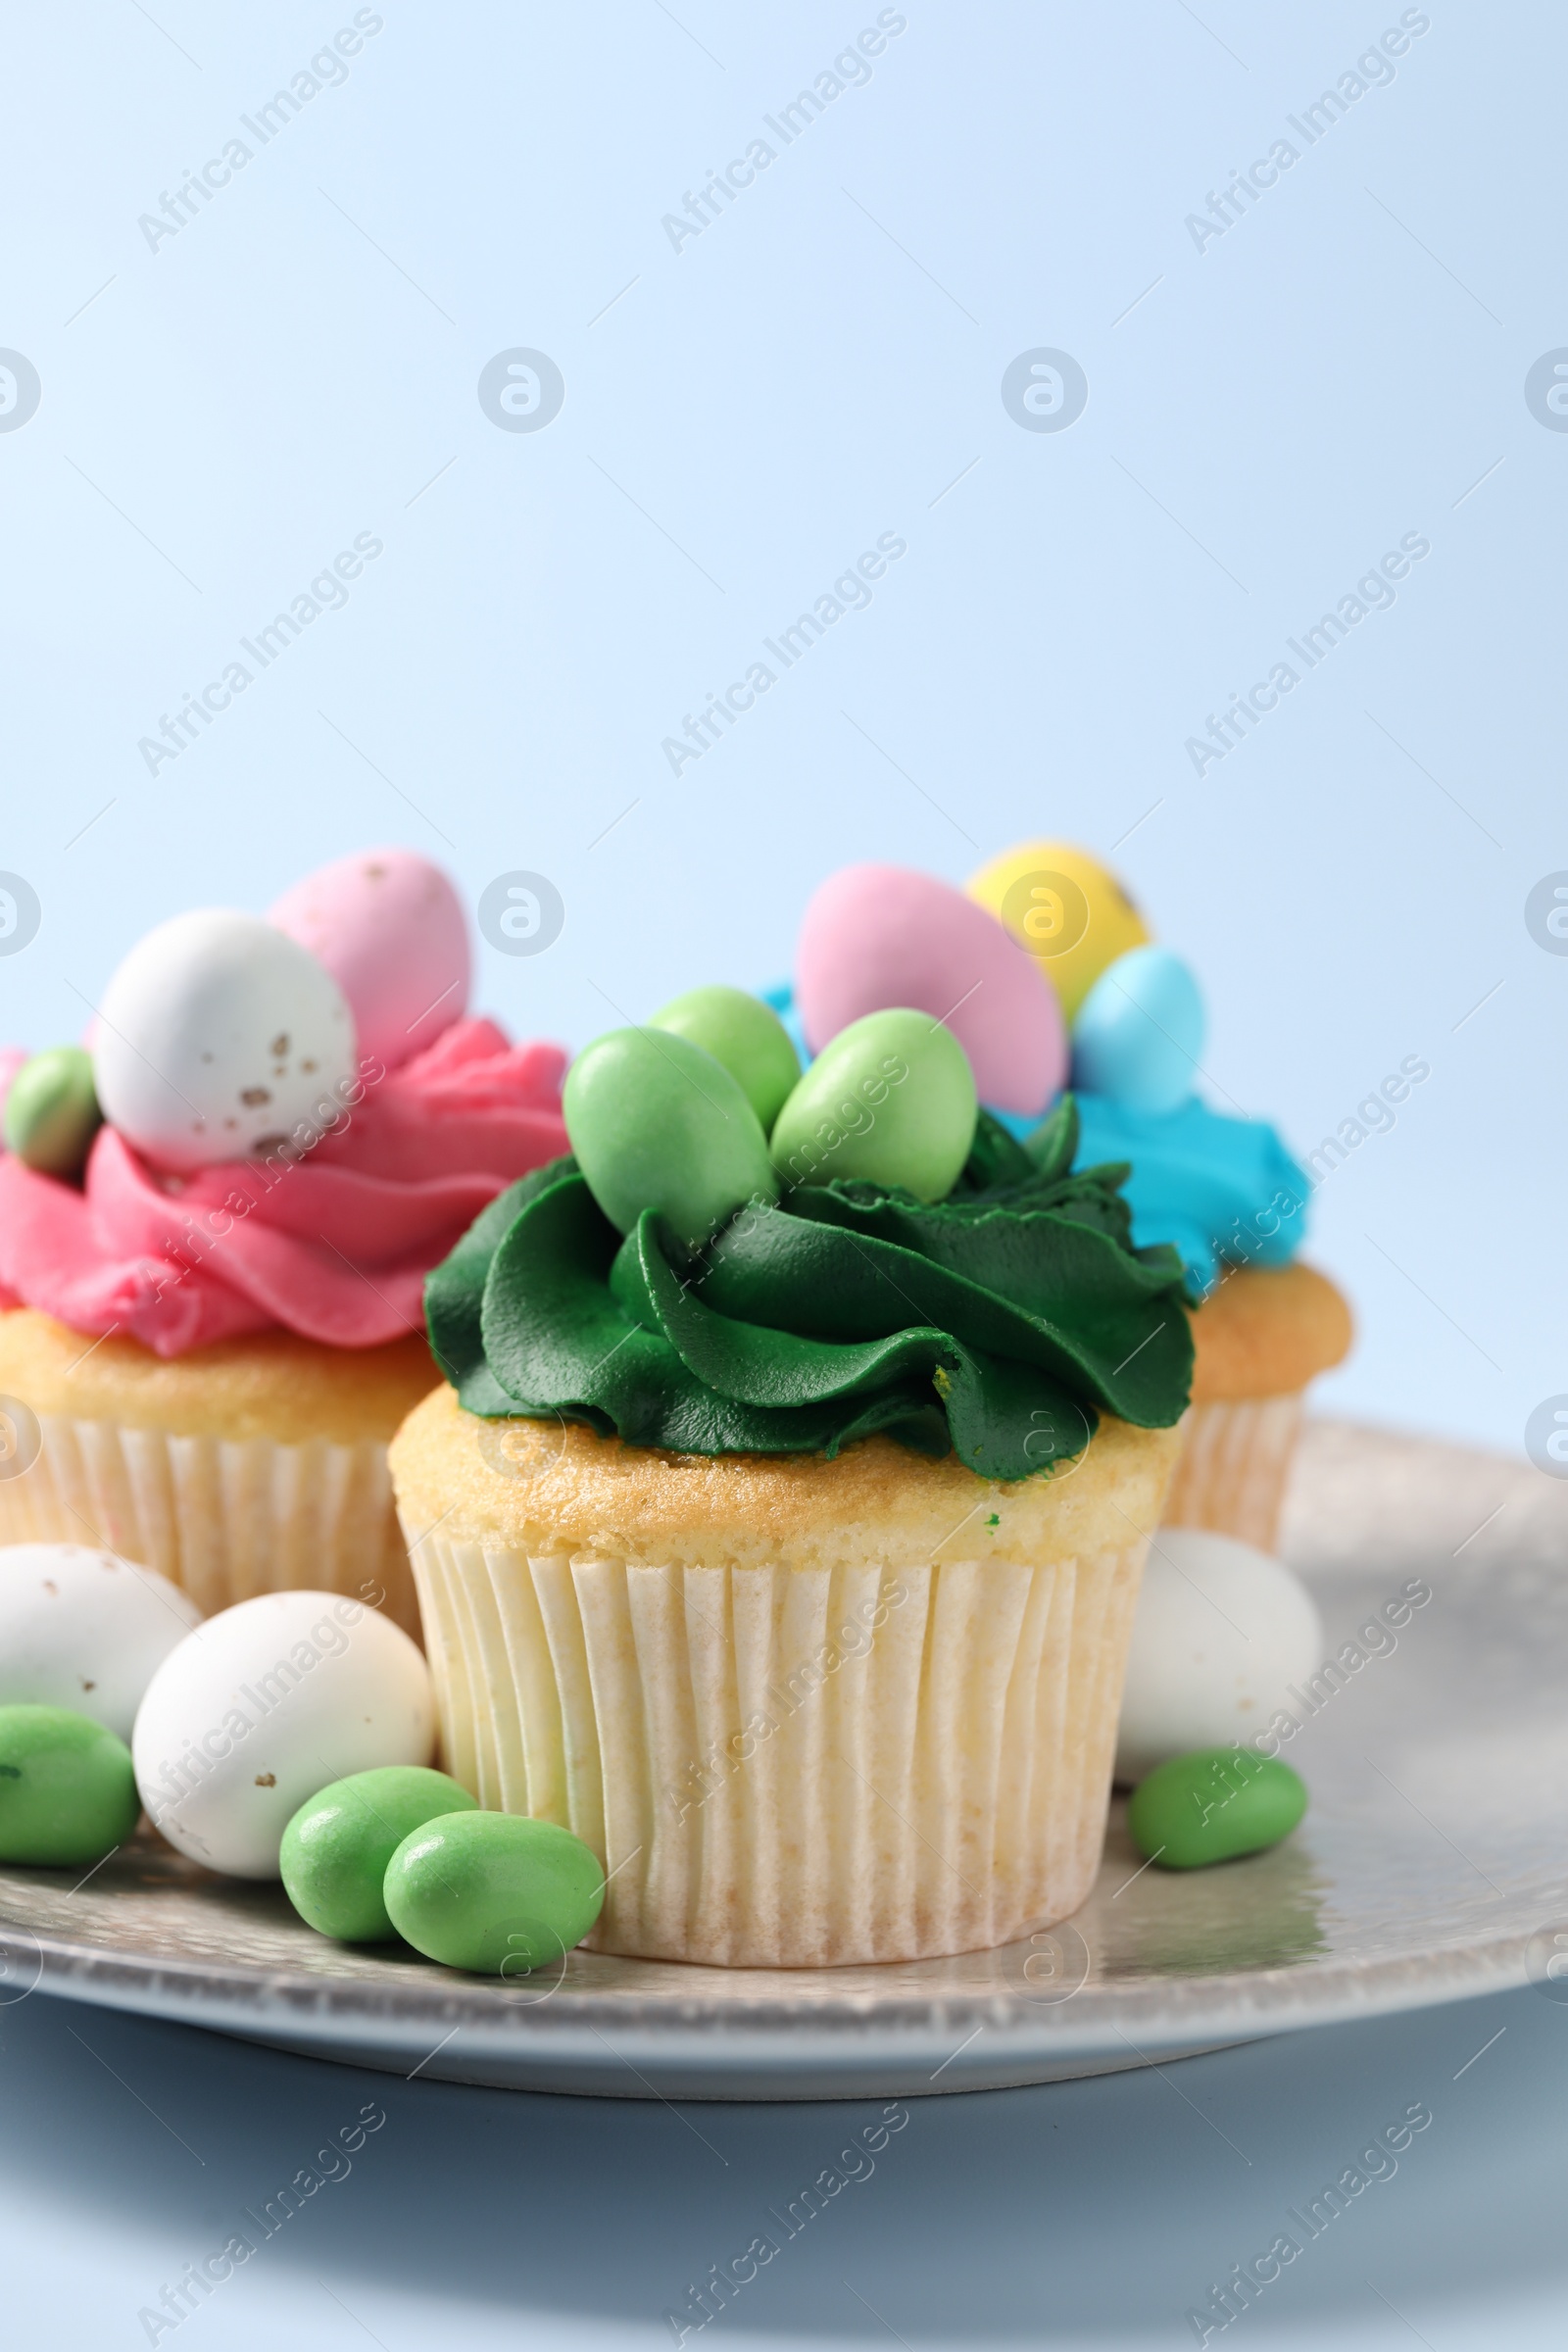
(210, 1330)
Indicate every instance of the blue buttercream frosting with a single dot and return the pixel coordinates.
(782, 1000)
(1224, 1191)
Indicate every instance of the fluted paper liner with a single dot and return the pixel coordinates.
(225, 1518)
(1234, 1467)
(794, 1767)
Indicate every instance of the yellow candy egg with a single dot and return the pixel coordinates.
(1063, 905)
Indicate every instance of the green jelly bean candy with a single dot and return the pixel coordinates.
(656, 1122)
(67, 1789)
(52, 1111)
(1213, 1805)
(747, 1035)
(338, 1845)
(494, 1892)
(891, 1098)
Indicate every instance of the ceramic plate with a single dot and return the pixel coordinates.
(1432, 1864)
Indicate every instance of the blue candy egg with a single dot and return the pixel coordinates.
(1140, 1031)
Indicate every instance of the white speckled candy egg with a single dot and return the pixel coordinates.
(260, 1707)
(390, 928)
(1221, 1630)
(217, 1037)
(85, 1630)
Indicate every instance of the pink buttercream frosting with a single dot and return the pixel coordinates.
(334, 1245)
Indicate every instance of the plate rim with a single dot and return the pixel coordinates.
(1231, 2006)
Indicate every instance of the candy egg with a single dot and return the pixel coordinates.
(68, 1794)
(217, 1037)
(1222, 1631)
(495, 1892)
(85, 1630)
(746, 1035)
(877, 936)
(656, 1122)
(390, 929)
(1063, 905)
(260, 1707)
(52, 1112)
(1213, 1805)
(1139, 1035)
(336, 1848)
(891, 1098)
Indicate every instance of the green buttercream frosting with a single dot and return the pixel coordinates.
(994, 1323)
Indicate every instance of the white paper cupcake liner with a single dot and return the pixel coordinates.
(1234, 1466)
(225, 1518)
(793, 1767)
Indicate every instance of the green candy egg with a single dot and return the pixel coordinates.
(338, 1845)
(656, 1122)
(746, 1035)
(494, 1892)
(52, 1111)
(67, 1789)
(891, 1098)
(1213, 1805)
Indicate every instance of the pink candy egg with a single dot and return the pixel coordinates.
(877, 936)
(390, 928)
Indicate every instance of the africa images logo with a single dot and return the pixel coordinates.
(521, 390)
(1045, 390)
(19, 390)
(1546, 391)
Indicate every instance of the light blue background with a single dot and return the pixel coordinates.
(1275, 414)
(220, 416)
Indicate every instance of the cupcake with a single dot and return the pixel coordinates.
(215, 1222)
(1222, 1190)
(779, 1527)
(1261, 1334)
